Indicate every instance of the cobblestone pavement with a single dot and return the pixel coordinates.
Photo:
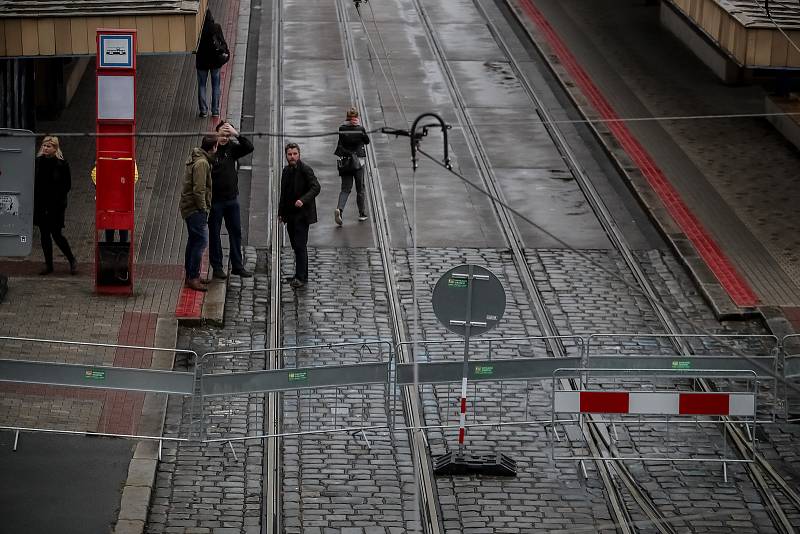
(206, 488)
(336, 482)
(555, 497)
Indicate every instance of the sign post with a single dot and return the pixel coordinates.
(469, 300)
(115, 165)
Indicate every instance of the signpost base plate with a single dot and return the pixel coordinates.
(487, 464)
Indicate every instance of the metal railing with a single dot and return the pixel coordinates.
(359, 394)
(718, 355)
(608, 406)
(350, 394)
(24, 377)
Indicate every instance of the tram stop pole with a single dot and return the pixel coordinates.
(471, 292)
(115, 167)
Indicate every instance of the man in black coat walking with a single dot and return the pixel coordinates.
(298, 209)
(225, 200)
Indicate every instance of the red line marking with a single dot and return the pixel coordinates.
(604, 402)
(461, 433)
(704, 404)
(735, 285)
(190, 302)
(463, 405)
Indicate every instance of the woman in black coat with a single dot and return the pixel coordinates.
(51, 186)
(350, 149)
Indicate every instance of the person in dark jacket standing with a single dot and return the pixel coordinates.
(51, 186)
(297, 208)
(194, 206)
(225, 206)
(212, 54)
(350, 149)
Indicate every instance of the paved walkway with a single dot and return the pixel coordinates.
(734, 175)
(65, 307)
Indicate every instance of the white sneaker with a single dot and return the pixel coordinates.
(362, 217)
(337, 216)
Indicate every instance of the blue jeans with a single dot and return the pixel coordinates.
(229, 211)
(202, 78)
(197, 225)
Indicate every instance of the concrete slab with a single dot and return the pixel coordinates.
(468, 42)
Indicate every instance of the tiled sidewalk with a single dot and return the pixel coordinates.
(64, 307)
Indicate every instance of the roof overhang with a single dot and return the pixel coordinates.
(744, 31)
(42, 28)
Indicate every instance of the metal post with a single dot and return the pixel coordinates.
(465, 369)
(16, 440)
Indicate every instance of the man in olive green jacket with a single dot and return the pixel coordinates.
(195, 205)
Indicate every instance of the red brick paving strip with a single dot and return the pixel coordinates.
(736, 286)
(121, 409)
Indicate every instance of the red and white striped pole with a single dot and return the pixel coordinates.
(462, 429)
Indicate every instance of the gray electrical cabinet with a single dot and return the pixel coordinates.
(17, 164)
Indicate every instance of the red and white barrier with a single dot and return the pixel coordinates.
(655, 403)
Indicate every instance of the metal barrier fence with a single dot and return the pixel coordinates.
(120, 416)
(791, 372)
(496, 377)
(317, 389)
(608, 405)
(360, 395)
(765, 364)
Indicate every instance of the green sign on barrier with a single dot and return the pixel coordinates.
(94, 374)
(298, 376)
(681, 364)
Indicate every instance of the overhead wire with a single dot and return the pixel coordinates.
(312, 135)
(178, 134)
(767, 371)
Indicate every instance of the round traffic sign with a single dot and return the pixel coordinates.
(473, 289)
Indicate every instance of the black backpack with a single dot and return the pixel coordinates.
(219, 47)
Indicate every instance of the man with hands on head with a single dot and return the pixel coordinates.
(225, 204)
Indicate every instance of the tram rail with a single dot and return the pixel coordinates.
(761, 472)
(615, 475)
(271, 512)
(427, 498)
(597, 445)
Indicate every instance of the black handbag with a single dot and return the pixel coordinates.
(348, 165)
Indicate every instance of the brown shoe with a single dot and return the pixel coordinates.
(195, 284)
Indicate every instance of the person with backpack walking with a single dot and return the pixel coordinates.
(350, 149)
(212, 54)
